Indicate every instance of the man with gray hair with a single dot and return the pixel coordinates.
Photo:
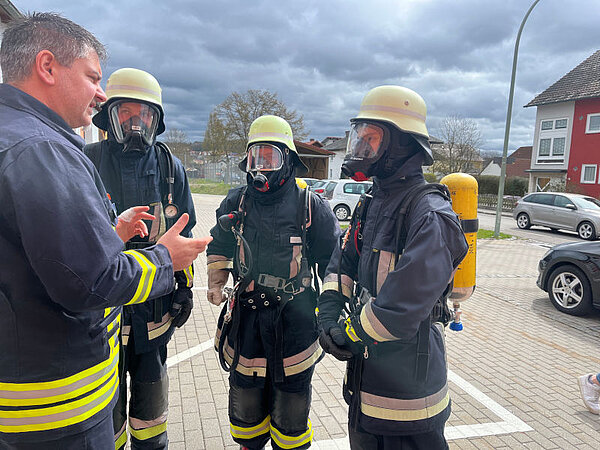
(63, 272)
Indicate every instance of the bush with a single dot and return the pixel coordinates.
(516, 186)
(430, 177)
(488, 184)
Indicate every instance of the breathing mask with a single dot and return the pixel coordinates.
(376, 150)
(267, 166)
(134, 123)
(367, 142)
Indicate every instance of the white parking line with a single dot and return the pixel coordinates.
(509, 424)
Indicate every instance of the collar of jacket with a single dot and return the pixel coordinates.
(269, 198)
(408, 174)
(20, 100)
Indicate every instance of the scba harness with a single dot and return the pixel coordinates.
(361, 296)
(268, 291)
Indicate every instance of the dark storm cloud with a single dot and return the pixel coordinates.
(322, 57)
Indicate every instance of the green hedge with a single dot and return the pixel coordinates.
(488, 184)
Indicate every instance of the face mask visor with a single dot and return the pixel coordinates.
(129, 119)
(264, 158)
(366, 141)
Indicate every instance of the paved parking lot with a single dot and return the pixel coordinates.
(512, 372)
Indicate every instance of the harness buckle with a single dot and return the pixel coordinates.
(270, 281)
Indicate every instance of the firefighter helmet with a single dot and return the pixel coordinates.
(131, 84)
(400, 107)
(270, 128)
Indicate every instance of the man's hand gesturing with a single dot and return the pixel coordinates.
(183, 250)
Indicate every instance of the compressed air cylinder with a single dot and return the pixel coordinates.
(463, 190)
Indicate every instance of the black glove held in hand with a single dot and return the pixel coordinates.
(329, 342)
(181, 307)
(331, 304)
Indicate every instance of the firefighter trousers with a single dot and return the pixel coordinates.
(433, 440)
(148, 402)
(259, 414)
(99, 437)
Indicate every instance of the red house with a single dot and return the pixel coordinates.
(566, 144)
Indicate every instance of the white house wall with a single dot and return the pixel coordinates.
(553, 111)
(335, 164)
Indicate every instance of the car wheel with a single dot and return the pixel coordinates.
(523, 221)
(569, 290)
(342, 212)
(586, 231)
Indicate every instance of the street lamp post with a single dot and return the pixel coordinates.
(508, 119)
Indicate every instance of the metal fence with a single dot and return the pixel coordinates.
(490, 201)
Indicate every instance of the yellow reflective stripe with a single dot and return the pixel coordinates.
(250, 432)
(158, 329)
(98, 400)
(333, 286)
(405, 414)
(372, 326)
(114, 358)
(189, 276)
(248, 370)
(303, 360)
(350, 331)
(218, 265)
(117, 321)
(28, 390)
(146, 279)
(122, 439)
(111, 363)
(148, 433)
(286, 442)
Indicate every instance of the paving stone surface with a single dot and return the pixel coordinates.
(513, 368)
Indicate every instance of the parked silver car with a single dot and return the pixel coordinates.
(560, 211)
(343, 195)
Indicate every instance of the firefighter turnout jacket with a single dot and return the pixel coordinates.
(63, 277)
(280, 341)
(385, 394)
(133, 178)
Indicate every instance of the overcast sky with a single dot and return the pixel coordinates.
(322, 56)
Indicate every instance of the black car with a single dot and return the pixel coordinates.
(570, 273)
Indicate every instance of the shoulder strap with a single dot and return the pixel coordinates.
(304, 273)
(162, 151)
(412, 197)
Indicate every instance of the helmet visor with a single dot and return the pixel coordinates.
(264, 157)
(365, 140)
(128, 117)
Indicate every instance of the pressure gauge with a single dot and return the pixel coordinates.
(171, 211)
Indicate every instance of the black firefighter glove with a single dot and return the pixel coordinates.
(332, 338)
(181, 307)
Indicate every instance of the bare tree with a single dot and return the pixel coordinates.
(178, 142)
(459, 151)
(219, 145)
(238, 111)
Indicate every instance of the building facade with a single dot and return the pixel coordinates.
(566, 143)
